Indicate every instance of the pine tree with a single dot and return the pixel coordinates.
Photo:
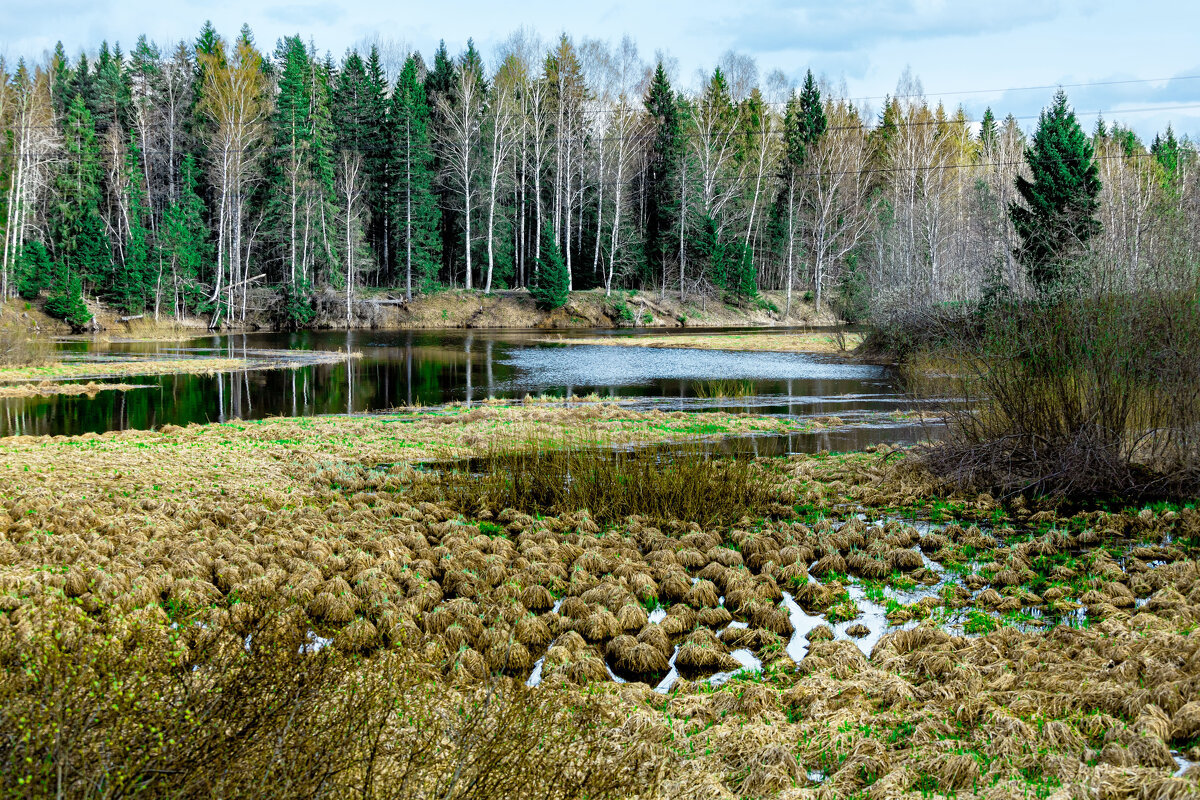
(549, 289)
(413, 207)
(1059, 211)
(663, 173)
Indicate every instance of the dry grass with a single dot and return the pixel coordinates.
(823, 343)
(47, 388)
(21, 348)
(606, 482)
(133, 366)
(128, 559)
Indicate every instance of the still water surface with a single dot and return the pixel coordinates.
(399, 368)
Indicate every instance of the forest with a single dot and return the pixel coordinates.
(213, 176)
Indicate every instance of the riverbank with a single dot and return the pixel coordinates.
(379, 309)
(830, 625)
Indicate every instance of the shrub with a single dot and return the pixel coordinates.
(1075, 396)
(141, 714)
(67, 304)
(294, 308)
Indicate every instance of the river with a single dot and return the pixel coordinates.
(403, 368)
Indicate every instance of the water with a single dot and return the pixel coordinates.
(399, 368)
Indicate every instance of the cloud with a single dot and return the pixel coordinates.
(777, 25)
(301, 14)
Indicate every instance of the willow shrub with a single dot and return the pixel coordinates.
(1078, 396)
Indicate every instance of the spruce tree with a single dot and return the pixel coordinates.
(1165, 150)
(378, 153)
(185, 244)
(549, 289)
(810, 124)
(131, 275)
(988, 132)
(412, 205)
(1058, 212)
(663, 175)
(34, 270)
(440, 83)
(78, 241)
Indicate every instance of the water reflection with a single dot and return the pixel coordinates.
(399, 368)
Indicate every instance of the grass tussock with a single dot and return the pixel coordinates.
(688, 482)
(722, 389)
(194, 629)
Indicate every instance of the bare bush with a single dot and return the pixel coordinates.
(214, 713)
(1076, 396)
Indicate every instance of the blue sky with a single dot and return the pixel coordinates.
(975, 53)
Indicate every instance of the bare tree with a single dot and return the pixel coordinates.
(234, 99)
(833, 191)
(458, 136)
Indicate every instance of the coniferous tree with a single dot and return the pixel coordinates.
(988, 130)
(1058, 213)
(185, 246)
(131, 279)
(34, 270)
(412, 204)
(549, 288)
(378, 152)
(663, 173)
(79, 244)
(1166, 151)
(439, 83)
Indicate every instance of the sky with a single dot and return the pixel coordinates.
(1140, 63)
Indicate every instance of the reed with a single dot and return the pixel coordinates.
(688, 482)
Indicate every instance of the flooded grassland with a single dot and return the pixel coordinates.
(723, 625)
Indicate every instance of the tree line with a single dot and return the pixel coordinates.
(192, 180)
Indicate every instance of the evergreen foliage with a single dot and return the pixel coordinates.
(662, 179)
(1058, 213)
(549, 289)
(34, 270)
(412, 205)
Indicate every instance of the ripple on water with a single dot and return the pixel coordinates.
(595, 365)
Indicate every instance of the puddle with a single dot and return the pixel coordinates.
(749, 662)
(314, 643)
(1182, 763)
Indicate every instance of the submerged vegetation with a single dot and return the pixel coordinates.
(292, 601)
